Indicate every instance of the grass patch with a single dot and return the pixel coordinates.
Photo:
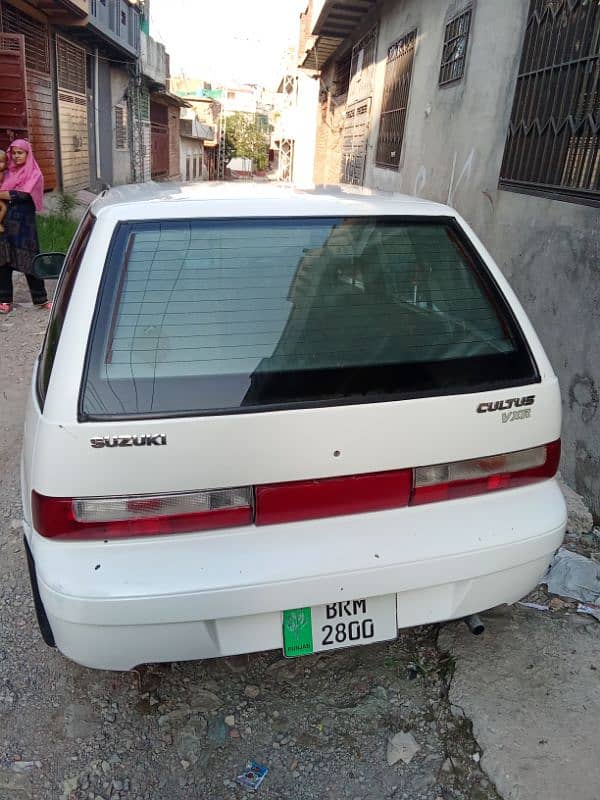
(55, 233)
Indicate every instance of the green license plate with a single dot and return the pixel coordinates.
(346, 623)
(297, 632)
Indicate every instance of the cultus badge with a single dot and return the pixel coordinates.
(505, 405)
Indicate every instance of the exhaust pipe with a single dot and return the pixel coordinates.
(474, 624)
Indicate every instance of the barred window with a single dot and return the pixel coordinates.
(70, 66)
(144, 104)
(37, 51)
(363, 53)
(396, 89)
(454, 53)
(341, 78)
(553, 143)
(121, 127)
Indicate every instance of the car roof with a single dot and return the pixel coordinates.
(254, 199)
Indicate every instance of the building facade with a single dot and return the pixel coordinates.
(293, 134)
(493, 108)
(212, 106)
(207, 104)
(28, 77)
(165, 109)
(193, 134)
(79, 75)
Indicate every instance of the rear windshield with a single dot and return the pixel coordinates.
(222, 315)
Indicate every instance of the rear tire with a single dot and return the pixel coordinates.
(40, 611)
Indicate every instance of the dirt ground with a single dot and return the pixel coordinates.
(322, 724)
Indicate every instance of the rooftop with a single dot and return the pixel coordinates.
(247, 199)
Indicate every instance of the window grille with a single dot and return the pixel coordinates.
(362, 67)
(553, 143)
(354, 142)
(454, 53)
(363, 53)
(144, 103)
(396, 89)
(120, 128)
(342, 76)
(71, 66)
(37, 50)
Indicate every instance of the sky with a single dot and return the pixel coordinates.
(227, 40)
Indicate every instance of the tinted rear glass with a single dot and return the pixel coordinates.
(213, 316)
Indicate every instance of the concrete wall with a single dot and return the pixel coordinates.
(452, 152)
(121, 158)
(454, 135)
(191, 150)
(127, 35)
(305, 136)
(239, 164)
(153, 60)
(105, 132)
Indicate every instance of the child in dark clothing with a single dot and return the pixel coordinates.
(3, 205)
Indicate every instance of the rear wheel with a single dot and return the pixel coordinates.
(40, 611)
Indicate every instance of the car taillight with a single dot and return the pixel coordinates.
(120, 517)
(480, 475)
(332, 497)
(144, 515)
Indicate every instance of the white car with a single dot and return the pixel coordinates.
(272, 418)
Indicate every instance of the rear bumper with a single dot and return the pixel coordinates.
(118, 604)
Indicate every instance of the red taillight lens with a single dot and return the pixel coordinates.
(332, 497)
(123, 517)
(480, 475)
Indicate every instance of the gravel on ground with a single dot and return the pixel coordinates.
(377, 722)
(326, 726)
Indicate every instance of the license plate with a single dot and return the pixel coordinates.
(347, 623)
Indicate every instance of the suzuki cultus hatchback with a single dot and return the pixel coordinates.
(271, 418)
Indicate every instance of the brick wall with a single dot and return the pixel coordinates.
(305, 25)
(328, 152)
(174, 162)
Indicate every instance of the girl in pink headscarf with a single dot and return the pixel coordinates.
(23, 189)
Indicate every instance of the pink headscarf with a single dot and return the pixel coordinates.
(27, 178)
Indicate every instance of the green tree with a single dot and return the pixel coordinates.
(246, 138)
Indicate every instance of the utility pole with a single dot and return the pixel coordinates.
(222, 142)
